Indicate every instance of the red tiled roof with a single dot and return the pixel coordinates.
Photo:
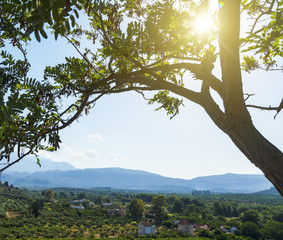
(184, 222)
(146, 224)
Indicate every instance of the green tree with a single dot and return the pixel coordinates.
(86, 204)
(36, 206)
(177, 206)
(150, 51)
(192, 209)
(272, 230)
(29, 115)
(217, 209)
(158, 205)
(250, 229)
(137, 208)
(250, 216)
(278, 216)
(82, 195)
(49, 194)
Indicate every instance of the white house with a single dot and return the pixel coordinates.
(146, 228)
(107, 204)
(77, 207)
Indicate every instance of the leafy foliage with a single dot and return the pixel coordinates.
(29, 108)
(137, 208)
(136, 46)
(265, 39)
(57, 219)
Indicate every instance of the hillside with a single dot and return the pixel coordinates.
(119, 178)
(231, 182)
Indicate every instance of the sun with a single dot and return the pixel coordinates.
(203, 24)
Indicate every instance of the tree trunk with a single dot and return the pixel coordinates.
(238, 121)
(261, 153)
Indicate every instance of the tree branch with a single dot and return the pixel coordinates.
(160, 84)
(278, 109)
(82, 55)
(19, 159)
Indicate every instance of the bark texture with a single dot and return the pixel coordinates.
(239, 125)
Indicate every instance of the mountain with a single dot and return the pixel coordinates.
(102, 177)
(28, 165)
(119, 178)
(231, 182)
(271, 191)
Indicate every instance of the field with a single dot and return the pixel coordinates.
(87, 214)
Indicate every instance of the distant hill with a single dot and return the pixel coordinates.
(119, 178)
(231, 182)
(105, 177)
(271, 191)
(29, 165)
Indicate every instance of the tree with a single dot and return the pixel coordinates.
(192, 209)
(177, 206)
(250, 229)
(217, 209)
(49, 194)
(159, 45)
(29, 114)
(158, 205)
(278, 216)
(36, 206)
(82, 195)
(250, 216)
(272, 230)
(137, 208)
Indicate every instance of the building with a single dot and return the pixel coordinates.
(77, 207)
(107, 204)
(185, 227)
(146, 228)
(78, 201)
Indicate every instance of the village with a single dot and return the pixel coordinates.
(149, 227)
(87, 214)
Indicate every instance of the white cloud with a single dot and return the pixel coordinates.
(80, 158)
(118, 156)
(97, 136)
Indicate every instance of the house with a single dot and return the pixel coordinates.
(107, 204)
(78, 201)
(185, 227)
(201, 226)
(77, 207)
(228, 230)
(122, 212)
(116, 211)
(146, 228)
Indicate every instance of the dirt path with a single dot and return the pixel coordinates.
(11, 214)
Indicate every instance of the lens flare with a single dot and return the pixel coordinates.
(203, 24)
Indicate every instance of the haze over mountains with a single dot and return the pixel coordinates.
(29, 165)
(55, 174)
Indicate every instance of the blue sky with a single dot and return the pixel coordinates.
(124, 131)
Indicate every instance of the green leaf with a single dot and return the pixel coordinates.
(1, 131)
(55, 14)
(29, 30)
(56, 34)
(76, 13)
(38, 162)
(51, 149)
(42, 32)
(37, 36)
(73, 20)
(67, 25)
(8, 7)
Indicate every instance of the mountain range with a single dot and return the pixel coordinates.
(55, 174)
